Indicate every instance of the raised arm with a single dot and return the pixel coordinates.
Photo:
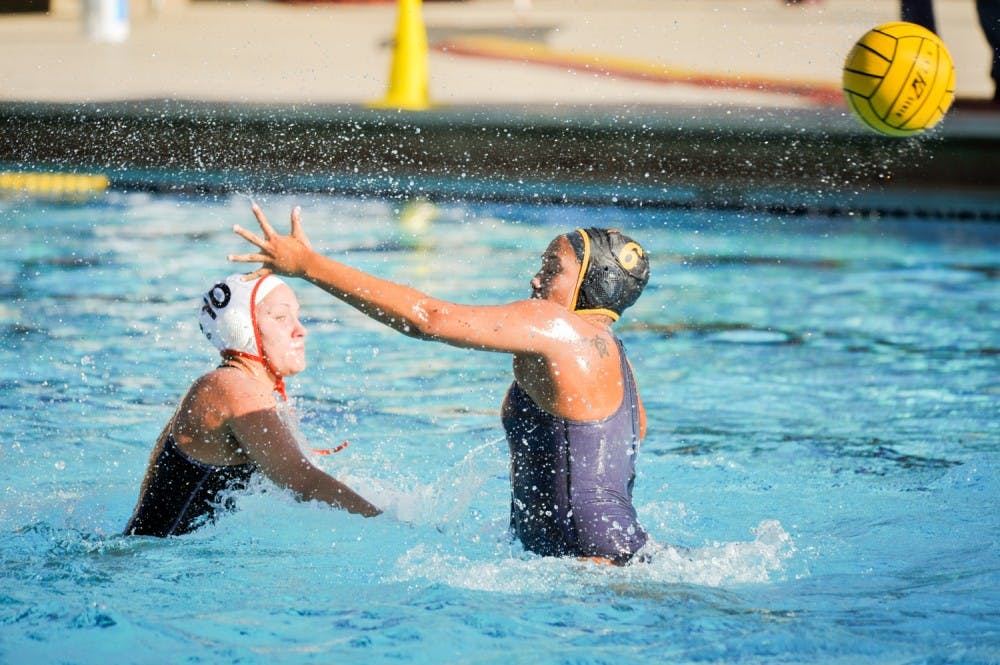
(524, 326)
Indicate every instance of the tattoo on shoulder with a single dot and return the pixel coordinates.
(601, 345)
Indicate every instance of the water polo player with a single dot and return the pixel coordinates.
(227, 426)
(573, 415)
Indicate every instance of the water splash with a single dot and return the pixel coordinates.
(442, 503)
(725, 564)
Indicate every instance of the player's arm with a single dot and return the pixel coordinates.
(268, 442)
(524, 326)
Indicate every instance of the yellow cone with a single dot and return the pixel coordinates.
(408, 79)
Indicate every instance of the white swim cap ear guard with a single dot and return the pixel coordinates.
(229, 313)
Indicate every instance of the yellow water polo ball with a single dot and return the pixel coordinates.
(899, 79)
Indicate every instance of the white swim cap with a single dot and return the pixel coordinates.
(229, 313)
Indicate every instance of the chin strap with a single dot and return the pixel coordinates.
(279, 381)
(604, 312)
(330, 451)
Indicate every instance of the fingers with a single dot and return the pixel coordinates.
(259, 272)
(297, 231)
(249, 236)
(271, 244)
(249, 258)
(265, 226)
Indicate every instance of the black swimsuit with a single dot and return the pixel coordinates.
(572, 480)
(183, 493)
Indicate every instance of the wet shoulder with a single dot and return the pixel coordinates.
(232, 392)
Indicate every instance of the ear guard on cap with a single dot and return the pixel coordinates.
(228, 313)
(228, 318)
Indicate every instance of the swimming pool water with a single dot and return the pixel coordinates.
(823, 415)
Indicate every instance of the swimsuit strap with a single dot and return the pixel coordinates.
(631, 390)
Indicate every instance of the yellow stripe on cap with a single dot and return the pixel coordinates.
(584, 264)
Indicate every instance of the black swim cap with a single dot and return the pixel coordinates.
(614, 269)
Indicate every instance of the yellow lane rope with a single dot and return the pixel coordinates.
(52, 184)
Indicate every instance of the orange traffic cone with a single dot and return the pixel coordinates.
(408, 79)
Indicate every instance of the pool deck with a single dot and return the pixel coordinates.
(682, 103)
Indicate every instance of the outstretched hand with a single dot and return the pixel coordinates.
(283, 255)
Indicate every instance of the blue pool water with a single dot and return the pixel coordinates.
(823, 399)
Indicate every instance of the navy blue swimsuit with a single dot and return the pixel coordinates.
(183, 493)
(572, 481)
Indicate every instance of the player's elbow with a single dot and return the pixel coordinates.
(429, 319)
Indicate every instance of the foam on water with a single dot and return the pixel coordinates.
(439, 503)
(725, 564)
(445, 502)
